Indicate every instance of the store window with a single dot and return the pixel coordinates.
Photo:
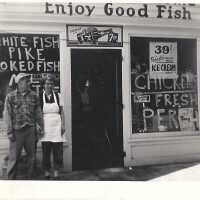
(164, 85)
(36, 54)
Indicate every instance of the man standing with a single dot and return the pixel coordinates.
(23, 117)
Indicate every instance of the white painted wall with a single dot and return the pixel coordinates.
(143, 149)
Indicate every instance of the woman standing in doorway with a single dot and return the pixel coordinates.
(52, 142)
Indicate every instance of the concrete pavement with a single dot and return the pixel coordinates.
(140, 173)
(175, 172)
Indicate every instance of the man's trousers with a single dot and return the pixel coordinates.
(25, 138)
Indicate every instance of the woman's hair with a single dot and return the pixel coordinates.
(46, 77)
(49, 77)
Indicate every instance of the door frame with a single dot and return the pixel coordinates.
(70, 64)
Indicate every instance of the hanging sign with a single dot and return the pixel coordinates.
(163, 60)
(93, 35)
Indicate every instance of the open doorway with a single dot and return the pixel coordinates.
(97, 138)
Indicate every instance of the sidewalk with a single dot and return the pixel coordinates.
(188, 174)
(141, 173)
(175, 172)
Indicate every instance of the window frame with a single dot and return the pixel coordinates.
(137, 34)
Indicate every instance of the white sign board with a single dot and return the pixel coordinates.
(142, 98)
(186, 119)
(163, 60)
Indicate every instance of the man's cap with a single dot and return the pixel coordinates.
(20, 76)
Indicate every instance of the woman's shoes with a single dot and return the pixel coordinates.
(55, 175)
(47, 175)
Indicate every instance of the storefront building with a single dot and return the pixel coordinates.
(134, 65)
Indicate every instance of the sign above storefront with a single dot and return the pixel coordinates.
(169, 11)
(163, 60)
(87, 35)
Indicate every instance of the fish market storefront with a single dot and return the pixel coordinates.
(128, 76)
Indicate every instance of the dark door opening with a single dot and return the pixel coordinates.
(97, 138)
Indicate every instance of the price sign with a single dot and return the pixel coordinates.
(163, 60)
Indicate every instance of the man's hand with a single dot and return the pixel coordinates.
(11, 137)
(39, 132)
(41, 135)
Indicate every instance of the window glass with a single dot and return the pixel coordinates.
(164, 85)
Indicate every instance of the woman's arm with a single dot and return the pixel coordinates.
(62, 120)
(62, 115)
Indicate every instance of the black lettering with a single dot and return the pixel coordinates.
(186, 14)
(142, 12)
(154, 68)
(119, 11)
(165, 49)
(90, 9)
(130, 12)
(108, 11)
(173, 67)
(79, 9)
(158, 49)
(58, 7)
(70, 8)
(177, 14)
(47, 5)
(170, 12)
(160, 10)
